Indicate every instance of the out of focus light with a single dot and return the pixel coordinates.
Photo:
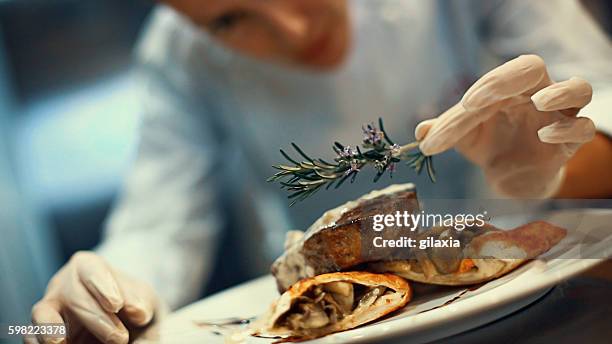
(77, 145)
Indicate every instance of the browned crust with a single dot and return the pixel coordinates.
(366, 278)
(534, 238)
(338, 247)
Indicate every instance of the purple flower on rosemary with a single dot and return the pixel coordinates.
(372, 136)
(347, 152)
(354, 167)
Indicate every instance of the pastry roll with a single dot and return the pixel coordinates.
(333, 302)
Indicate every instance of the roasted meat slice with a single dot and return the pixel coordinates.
(334, 242)
(328, 303)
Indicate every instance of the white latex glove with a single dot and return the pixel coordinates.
(95, 301)
(517, 125)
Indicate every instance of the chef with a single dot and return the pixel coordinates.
(493, 89)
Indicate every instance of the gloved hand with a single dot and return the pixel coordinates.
(517, 125)
(94, 301)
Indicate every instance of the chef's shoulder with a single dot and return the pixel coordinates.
(177, 50)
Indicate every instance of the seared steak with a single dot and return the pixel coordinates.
(334, 242)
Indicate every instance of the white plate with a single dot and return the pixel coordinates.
(436, 314)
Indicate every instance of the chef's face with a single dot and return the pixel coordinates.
(307, 33)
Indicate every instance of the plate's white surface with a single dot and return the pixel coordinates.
(425, 318)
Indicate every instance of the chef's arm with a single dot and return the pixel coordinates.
(581, 49)
(589, 173)
(164, 228)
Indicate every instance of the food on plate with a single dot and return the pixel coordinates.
(485, 253)
(320, 297)
(333, 302)
(339, 241)
(334, 241)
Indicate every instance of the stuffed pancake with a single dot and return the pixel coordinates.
(329, 303)
(485, 253)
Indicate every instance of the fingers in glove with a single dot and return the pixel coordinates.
(568, 130)
(423, 128)
(107, 327)
(77, 333)
(44, 313)
(84, 337)
(518, 76)
(451, 127)
(31, 340)
(574, 93)
(97, 277)
(139, 301)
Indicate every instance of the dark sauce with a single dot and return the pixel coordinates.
(472, 288)
(221, 327)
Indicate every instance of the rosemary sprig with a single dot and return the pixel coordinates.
(304, 178)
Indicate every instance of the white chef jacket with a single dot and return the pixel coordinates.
(214, 121)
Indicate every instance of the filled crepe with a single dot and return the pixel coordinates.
(485, 253)
(334, 242)
(328, 303)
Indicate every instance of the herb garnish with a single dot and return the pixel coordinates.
(305, 178)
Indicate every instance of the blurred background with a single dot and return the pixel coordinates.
(67, 128)
(68, 113)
